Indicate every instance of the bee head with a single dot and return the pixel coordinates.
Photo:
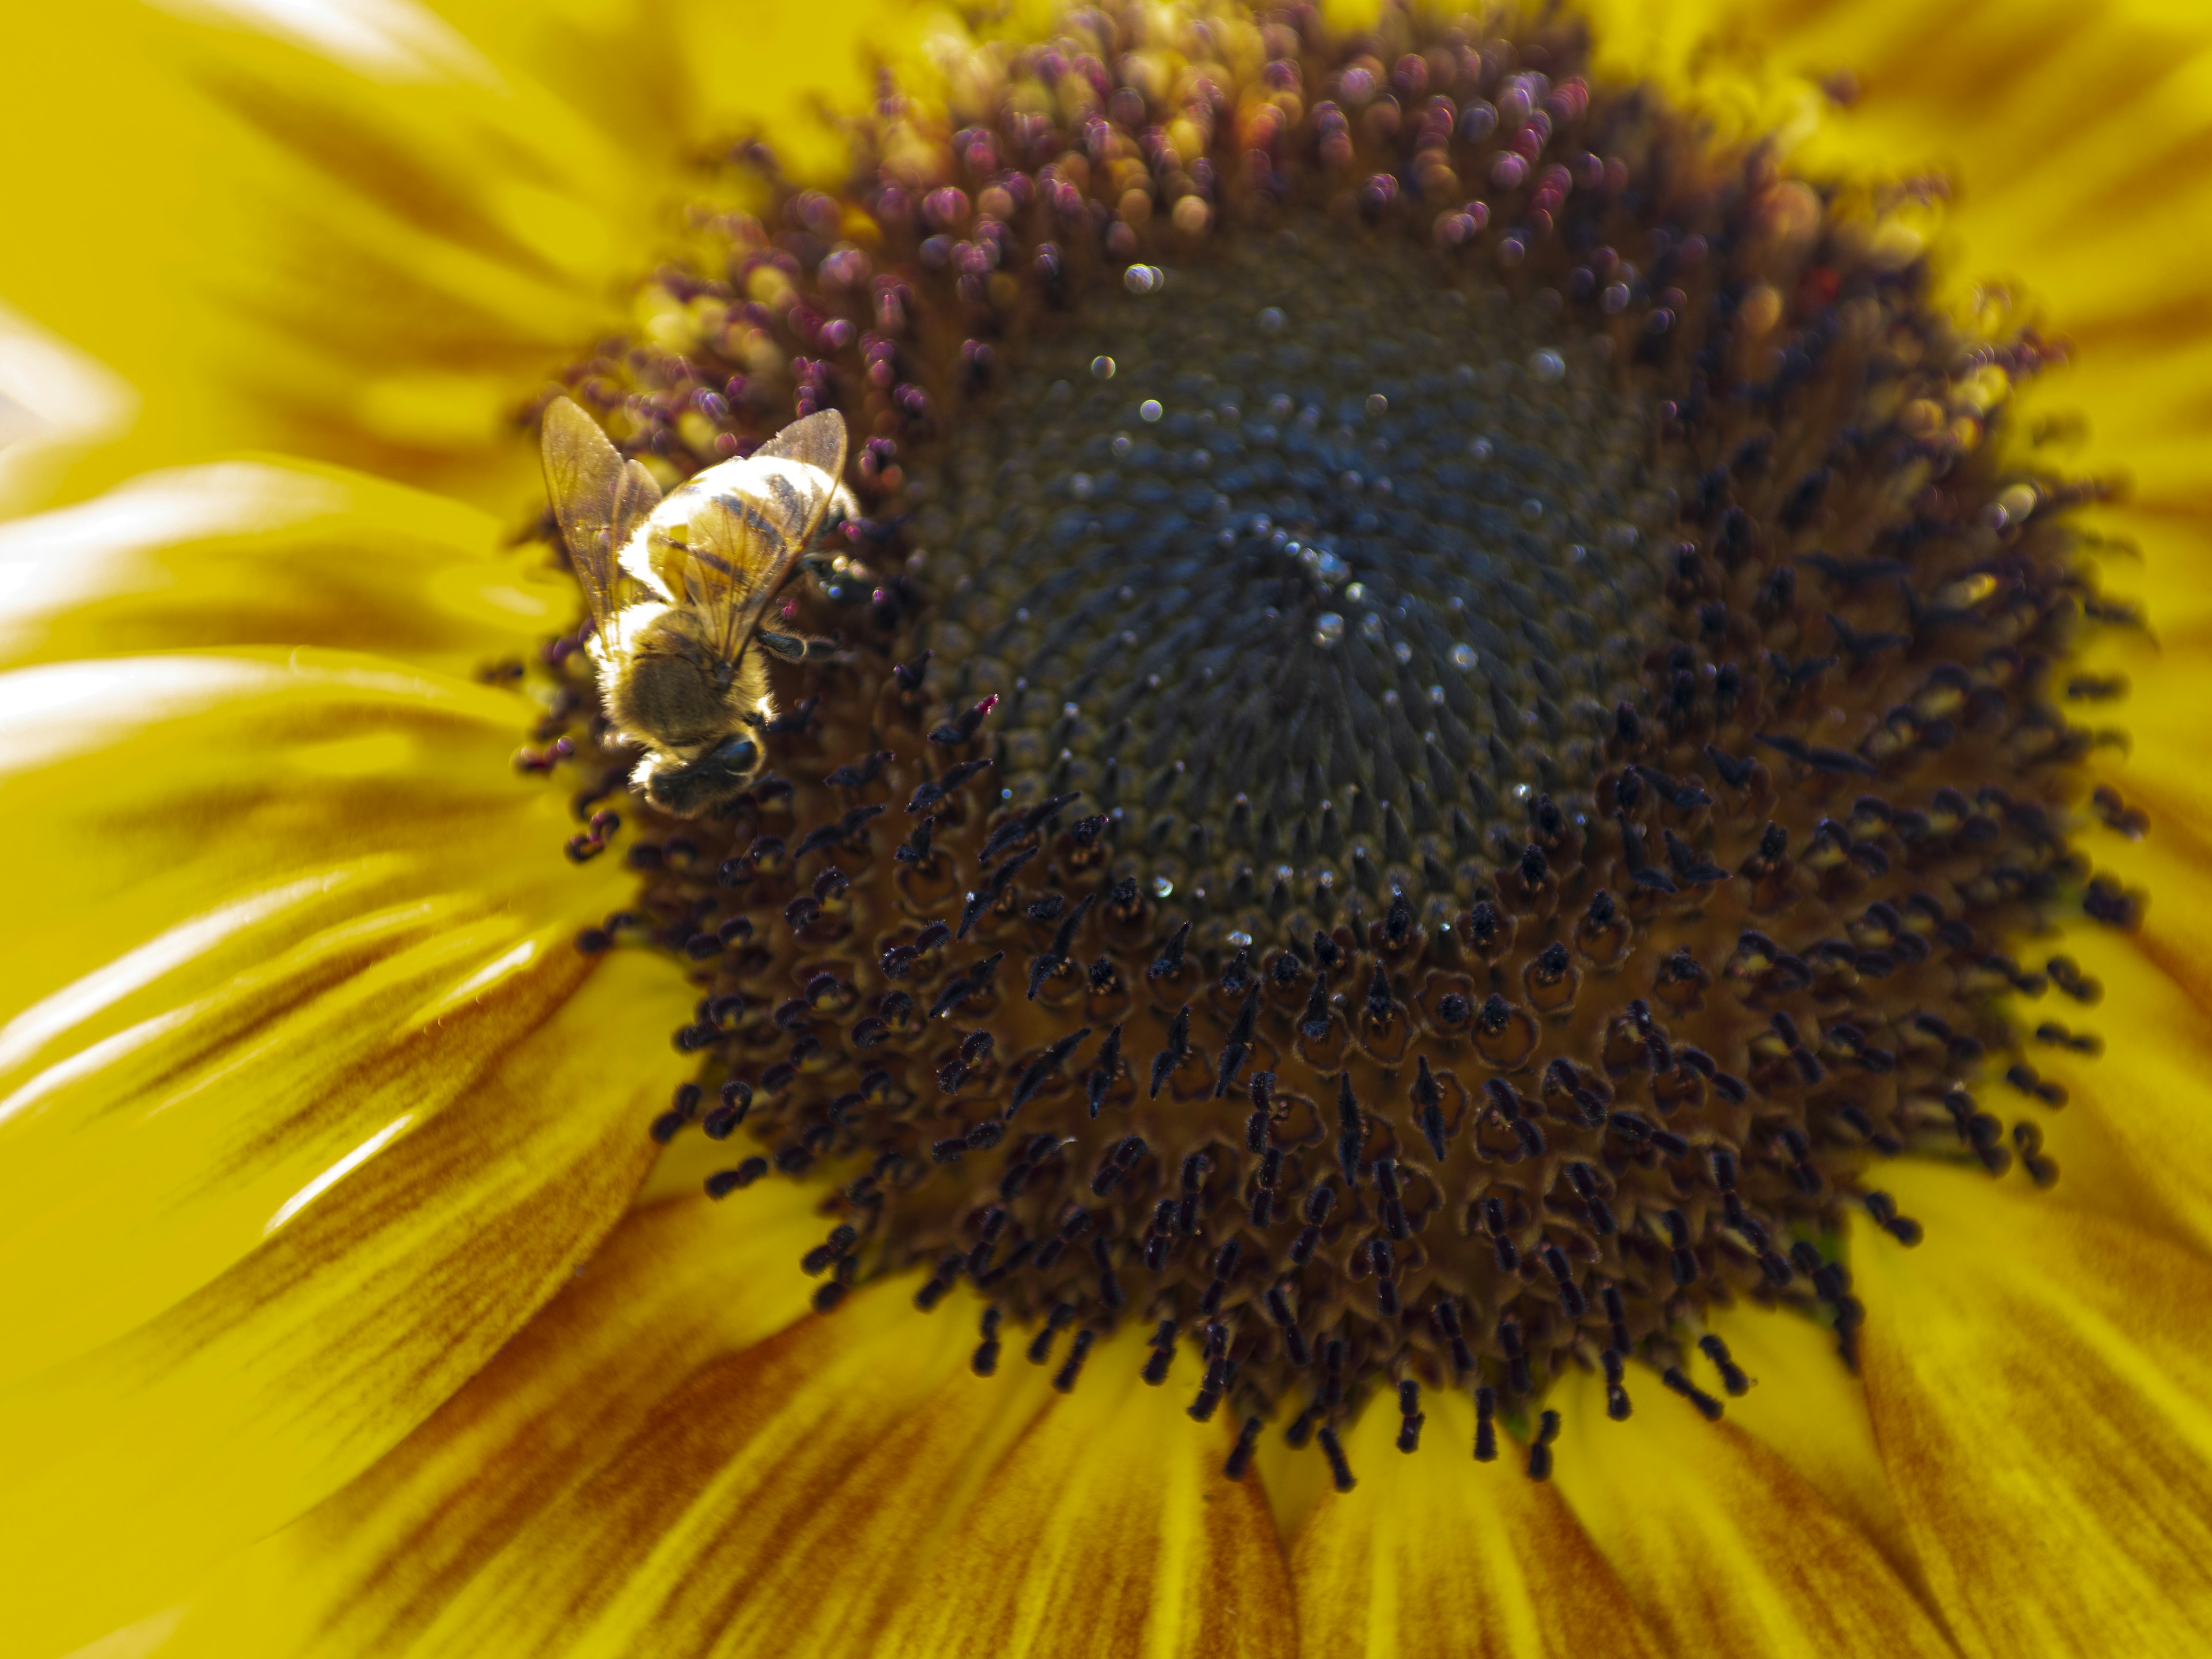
(689, 788)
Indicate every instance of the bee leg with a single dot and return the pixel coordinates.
(689, 787)
(796, 648)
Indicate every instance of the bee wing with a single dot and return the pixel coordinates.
(764, 509)
(817, 441)
(599, 500)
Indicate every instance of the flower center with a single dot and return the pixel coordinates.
(1449, 734)
(1306, 562)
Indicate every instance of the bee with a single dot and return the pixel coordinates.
(677, 588)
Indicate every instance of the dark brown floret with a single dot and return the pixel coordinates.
(1450, 729)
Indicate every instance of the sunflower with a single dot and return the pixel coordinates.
(1466, 949)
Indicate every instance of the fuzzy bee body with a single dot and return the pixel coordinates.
(677, 586)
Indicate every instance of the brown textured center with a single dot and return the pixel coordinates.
(1450, 734)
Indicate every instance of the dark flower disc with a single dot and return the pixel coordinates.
(1451, 725)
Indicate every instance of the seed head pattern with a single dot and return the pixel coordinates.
(1451, 725)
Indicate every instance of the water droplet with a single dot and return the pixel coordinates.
(1403, 652)
(1464, 657)
(1102, 368)
(1149, 410)
(1121, 445)
(1370, 625)
(1328, 628)
(1479, 448)
(1548, 366)
(1377, 405)
(1272, 319)
(1356, 593)
(1162, 887)
(1437, 694)
(1080, 486)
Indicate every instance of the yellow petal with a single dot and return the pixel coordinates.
(2134, 1141)
(55, 404)
(2038, 1377)
(371, 1298)
(671, 79)
(376, 222)
(1107, 1528)
(501, 1467)
(1724, 1548)
(419, 218)
(1434, 1554)
(289, 915)
(251, 553)
(1807, 1407)
(619, 1483)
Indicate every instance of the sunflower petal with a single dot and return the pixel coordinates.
(258, 554)
(1808, 1409)
(619, 1482)
(292, 919)
(678, 1286)
(1434, 1554)
(1724, 1548)
(2038, 1377)
(669, 81)
(374, 1293)
(2134, 1138)
(420, 216)
(58, 403)
(1107, 1528)
(400, 246)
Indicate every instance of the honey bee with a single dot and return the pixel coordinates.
(677, 588)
